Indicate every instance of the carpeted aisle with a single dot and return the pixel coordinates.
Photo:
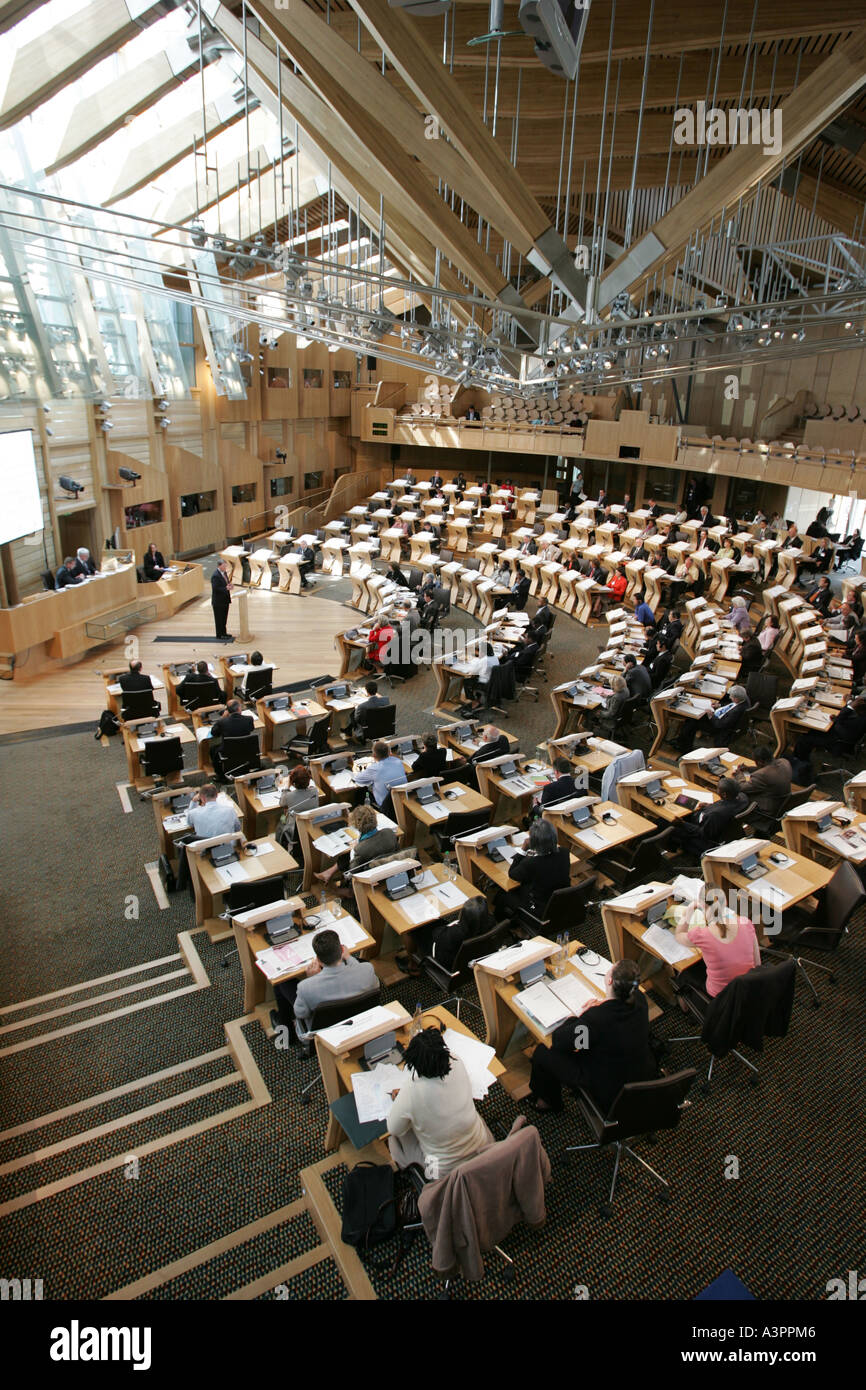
(74, 863)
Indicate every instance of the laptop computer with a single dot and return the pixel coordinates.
(336, 692)
(280, 702)
(656, 911)
(281, 929)
(267, 783)
(222, 855)
(752, 867)
(426, 794)
(583, 817)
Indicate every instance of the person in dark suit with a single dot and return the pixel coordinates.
(220, 598)
(670, 626)
(718, 725)
(528, 547)
(844, 733)
(543, 619)
(637, 678)
(233, 724)
(603, 1050)
(374, 700)
(154, 565)
(495, 745)
(661, 663)
(751, 654)
(564, 785)
(84, 564)
(67, 574)
(199, 688)
(134, 678)
(653, 508)
(524, 654)
(520, 592)
(475, 920)
(396, 575)
(436, 599)
(540, 872)
(432, 760)
(769, 785)
(711, 825)
(705, 517)
(821, 596)
(307, 565)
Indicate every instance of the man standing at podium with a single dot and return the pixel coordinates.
(221, 598)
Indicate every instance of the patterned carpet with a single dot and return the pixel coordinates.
(786, 1225)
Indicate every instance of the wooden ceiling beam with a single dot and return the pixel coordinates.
(385, 163)
(802, 116)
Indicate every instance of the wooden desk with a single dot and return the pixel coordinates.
(571, 710)
(319, 821)
(410, 813)
(466, 747)
(788, 724)
(299, 715)
(58, 618)
(338, 1065)
(134, 747)
(251, 939)
(351, 651)
(634, 798)
(260, 812)
(233, 556)
(209, 888)
(509, 800)
(169, 827)
(497, 990)
(802, 880)
(800, 828)
(627, 826)
(377, 912)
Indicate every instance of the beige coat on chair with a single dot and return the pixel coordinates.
(475, 1206)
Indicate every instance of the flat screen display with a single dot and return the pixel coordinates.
(21, 512)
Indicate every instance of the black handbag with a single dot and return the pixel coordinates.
(369, 1208)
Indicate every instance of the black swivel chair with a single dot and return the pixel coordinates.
(641, 860)
(461, 972)
(565, 908)
(822, 930)
(207, 694)
(234, 757)
(641, 1108)
(312, 744)
(258, 683)
(161, 757)
(458, 823)
(138, 704)
(326, 1015)
(379, 723)
(763, 1017)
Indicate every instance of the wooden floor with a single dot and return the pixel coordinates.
(295, 633)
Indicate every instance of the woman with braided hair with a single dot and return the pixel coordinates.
(601, 1051)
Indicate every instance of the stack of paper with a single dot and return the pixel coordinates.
(232, 873)
(372, 1091)
(334, 844)
(665, 944)
(573, 993)
(450, 895)
(423, 907)
(542, 1006)
(476, 1057)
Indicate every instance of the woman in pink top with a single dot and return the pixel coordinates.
(728, 945)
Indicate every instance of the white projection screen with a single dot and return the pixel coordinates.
(21, 507)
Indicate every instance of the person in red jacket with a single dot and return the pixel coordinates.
(612, 593)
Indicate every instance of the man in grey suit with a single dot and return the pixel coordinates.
(333, 975)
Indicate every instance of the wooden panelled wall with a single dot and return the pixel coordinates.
(310, 405)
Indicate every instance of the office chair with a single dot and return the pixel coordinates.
(138, 704)
(842, 760)
(161, 758)
(461, 972)
(526, 1140)
(379, 723)
(326, 1015)
(522, 677)
(259, 683)
(638, 861)
(207, 694)
(838, 902)
(641, 1108)
(236, 756)
(310, 745)
(564, 909)
(458, 823)
(244, 897)
(762, 690)
(770, 980)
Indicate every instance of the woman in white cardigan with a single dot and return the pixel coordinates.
(433, 1120)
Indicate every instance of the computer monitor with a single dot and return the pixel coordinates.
(397, 884)
(281, 929)
(583, 816)
(182, 668)
(508, 769)
(750, 862)
(462, 732)
(426, 794)
(147, 730)
(180, 802)
(336, 692)
(267, 782)
(338, 765)
(280, 702)
(654, 789)
(824, 823)
(656, 911)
